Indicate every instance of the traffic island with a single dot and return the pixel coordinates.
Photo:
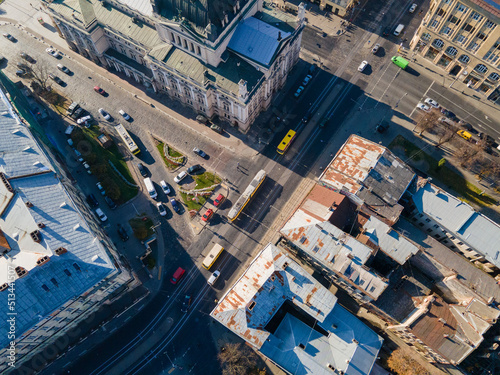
(172, 158)
(195, 198)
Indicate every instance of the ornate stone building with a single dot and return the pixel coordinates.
(224, 57)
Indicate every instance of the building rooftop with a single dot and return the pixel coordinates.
(292, 319)
(370, 172)
(460, 220)
(142, 6)
(45, 238)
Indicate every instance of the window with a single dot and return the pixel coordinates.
(446, 30)
(473, 47)
(67, 272)
(437, 236)
(494, 76)
(440, 12)
(452, 19)
(480, 68)
(77, 267)
(438, 43)
(460, 243)
(251, 306)
(445, 241)
(489, 24)
(421, 224)
(434, 23)
(451, 51)
(427, 220)
(464, 59)
(420, 215)
(482, 36)
(45, 287)
(198, 50)
(467, 27)
(435, 226)
(476, 16)
(426, 37)
(191, 47)
(429, 230)
(460, 7)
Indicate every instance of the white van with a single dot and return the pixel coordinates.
(150, 187)
(213, 278)
(399, 29)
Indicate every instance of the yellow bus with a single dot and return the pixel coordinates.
(286, 142)
(212, 256)
(127, 139)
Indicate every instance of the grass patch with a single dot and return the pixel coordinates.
(192, 204)
(168, 163)
(142, 227)
(150, 261)
(206, 179)
(173, 153)
(467, 191)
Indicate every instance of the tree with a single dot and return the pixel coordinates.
(466, 154)
(40, 74)
(446, 135)
(236, 359)
(427, 122)
(403, 364)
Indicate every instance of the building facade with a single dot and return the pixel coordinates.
(221, 58)
(463, 37)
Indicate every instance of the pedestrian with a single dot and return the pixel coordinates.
(237, 165)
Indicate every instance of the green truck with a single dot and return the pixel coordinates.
(399, 61)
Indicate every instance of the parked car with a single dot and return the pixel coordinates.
(110, 202)
(218, 200)
(207, 215)
(382, 126)
(101, 214)
(142, 170)
(180, 176)
(448, 114)
(423, 107)
(161, 209)
(201, 119)
(87, 167)
(9, 37)
(122, 233)
(306, 80)
(92, 201)
(98, 90)
(56, 79)
(105, 114)
(124, 115)
(431, 102)
(213, 278)
(186, 302)
(84, 120)
(299, 91)
(27, 57)
(20, 72)
(375, 48)
(100, 188)
(63, 69)
(79, 112)
(52, 52)
(216, 128)
(194, 168)
(165, 187)
(199, 152)
(177, 276)
(23, 66)
(306, 118)
(412, 8)
(175, 205)
(312, 68)
(362, 66)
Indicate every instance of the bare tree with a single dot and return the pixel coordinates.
(40, 75)
(465, 154)
(403, 364)
(236, 359)
(486, 168)
(427, 122)
(446, 135)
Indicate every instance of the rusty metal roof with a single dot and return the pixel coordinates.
(271, 278)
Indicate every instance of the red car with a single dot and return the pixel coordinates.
(218, 201)
(177, 275)
(98, 90)
(207, 215)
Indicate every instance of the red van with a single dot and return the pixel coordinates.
(177, 275)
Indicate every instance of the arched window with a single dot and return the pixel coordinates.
(480, 68)
(494, 76)
(438, 43)
(451, 51)
(464, 59)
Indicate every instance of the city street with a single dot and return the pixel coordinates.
(160, 337)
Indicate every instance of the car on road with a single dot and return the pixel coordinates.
(110, 202)
(161, 209)
(23, 66)
(122, 233)
(216, 128)
(124, 115)
(207, 215)
(201, 119)
(79, 112)
(10, 37)
(181, 176)
(412, 8)
(487, 138)
(448, 114)
(98, 90)
(177, 276)
(175, 205)
(199, 152)
(165, 187)
(213, 278)
(423, 107)
(92, 201)
(387, 31)
(52, 52)
(87, 167)
(186, 302)
(27, 57)
(56, 79)
(142, 169)
(375, 48)
(85, 120)
(100, 188)
(218, 200)
(101, 214)
(105, 114)
(306, 118)
(362, 66)
(382, 126)
(299, 91)
(431, 102)
(194, 168)
(63, 69)
(21, 72)
(306, 80)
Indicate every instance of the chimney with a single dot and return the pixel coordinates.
(242, 86)
(279, 36)
(442, 321)
(302, 13)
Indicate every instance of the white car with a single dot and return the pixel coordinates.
(104, 114)
(101, 214)
(53, 52)
(87, 167)
(299, 91)
(161, 209)
(423, 107)
(164, 187)
(412, 8)
(431, 102)
(84, 119)
(180, 176)
(306, 80)
(124, 114)
(101, 189)
(363, 66)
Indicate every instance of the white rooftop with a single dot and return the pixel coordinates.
(141, 6)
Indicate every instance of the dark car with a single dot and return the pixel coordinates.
(186, 303)
(382, 127)
(79, 112)
(312, 68)
(110, 202)
(306, 118)
(23, 66)
(201, 119)
(92, 201)
(56, 79)
(488, 139)
(28, 57)
(122, 233)
(175, 205)
(142, 170)
(448, 114)
(194, 168)
(10, 37)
